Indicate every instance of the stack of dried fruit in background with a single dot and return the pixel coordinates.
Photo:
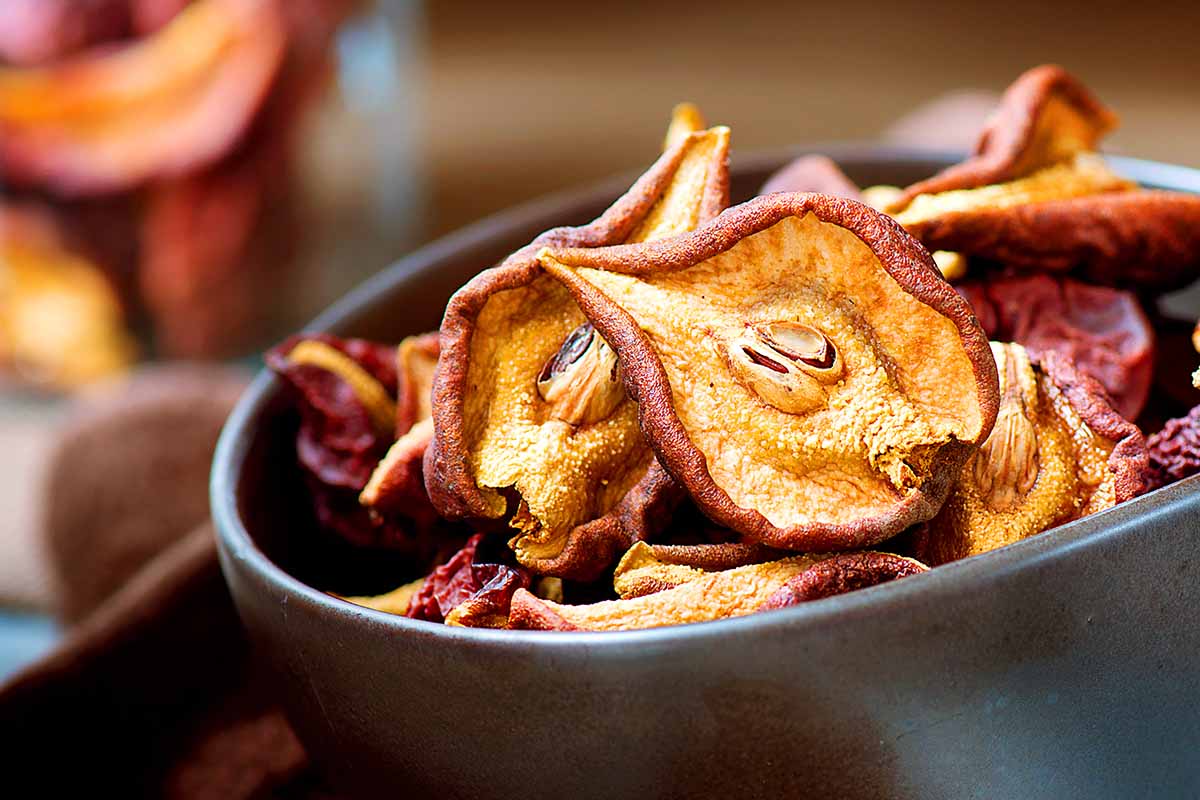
(681, 412)
(146, 137)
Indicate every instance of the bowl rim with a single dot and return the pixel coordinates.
(941, 584)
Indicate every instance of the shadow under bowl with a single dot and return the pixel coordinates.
(1067, 665)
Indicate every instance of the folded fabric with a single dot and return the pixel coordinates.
(151, 691)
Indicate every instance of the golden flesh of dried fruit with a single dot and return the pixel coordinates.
(702, 596)
(393, 602)
(61, 323)
(176, 100)
(416, 358)
(953, 266)
(397, 484)
(531, 421)
(1084, 175)
(686, 119)
(800, 367)
(1042, 465)
(646, 569)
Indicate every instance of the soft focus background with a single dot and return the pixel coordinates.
(429, 116)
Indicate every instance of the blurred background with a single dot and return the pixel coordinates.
(189, 180)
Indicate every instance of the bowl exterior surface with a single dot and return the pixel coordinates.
(1067, 665)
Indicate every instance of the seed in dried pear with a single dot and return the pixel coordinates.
(1006, 466)
(580, 383)
(786, 364)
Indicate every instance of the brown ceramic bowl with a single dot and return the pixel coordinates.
(1067, 665)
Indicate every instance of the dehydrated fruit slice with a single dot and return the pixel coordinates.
(1046, 117)
(466, 592)
(531, 424)
(1148, 241)
(718, 595)
(841, 573)
(813, 173)
(799, 366)
(1058, 452)
(1103, 331)
(1035, 195)
(647, 568)
(398, 481)
(416, 359)
(61, 322)
(164, 105)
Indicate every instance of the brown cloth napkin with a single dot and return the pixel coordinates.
(152, 692)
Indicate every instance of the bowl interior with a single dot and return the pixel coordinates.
(258, 493)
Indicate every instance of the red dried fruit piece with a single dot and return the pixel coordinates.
(813, 173)
(345, 390)
(1103, 331)
(1175, 450)
(464, 592)
(165, 105)
(531, 424)
(344, 403)
(799, 366)
(842, 573)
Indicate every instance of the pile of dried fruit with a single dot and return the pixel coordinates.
(684, 412)
(142, 145)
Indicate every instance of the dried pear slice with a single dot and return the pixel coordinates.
(176, 100)
(718, 595)
(530, 422)
(1146, 241)
(416, 358)
(398, 483)
(1035, 195)
(799, 366)
(1058, 452)
(646, 568)
(1046, 118)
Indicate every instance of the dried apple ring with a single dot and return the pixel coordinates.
(176, 100)
(1036, 195)
(531, 423)
(718, 595)
(1058, 452)
(799, 366)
